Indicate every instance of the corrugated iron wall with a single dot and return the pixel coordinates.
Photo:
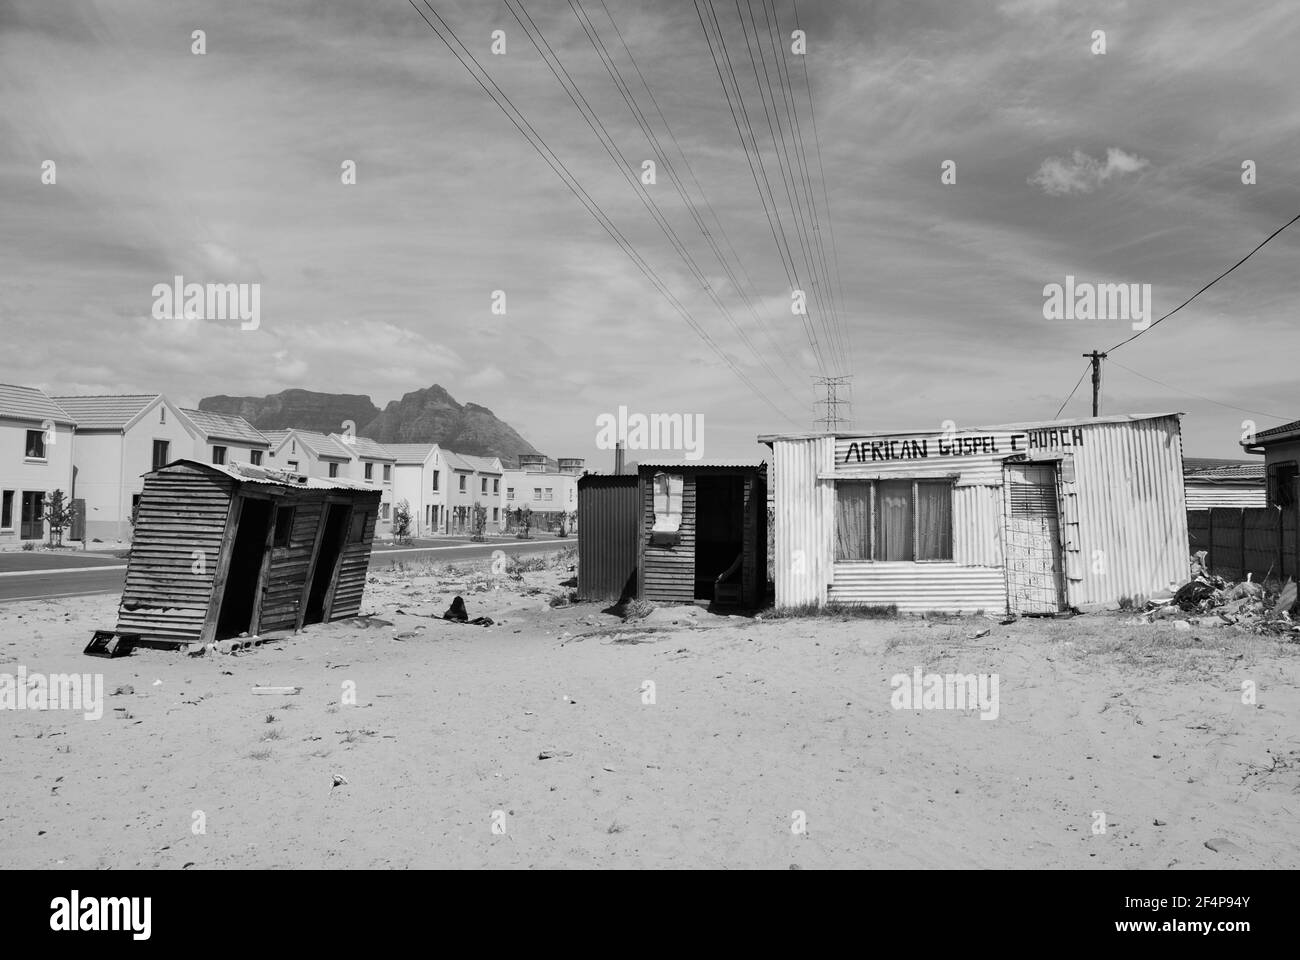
(1123, 513)
(947, 587)
(609, 513)
(803, 515)
(1129, 518)
(1206, 496)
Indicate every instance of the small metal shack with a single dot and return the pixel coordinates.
(220, 550)
(1029, 517)
(675, 533)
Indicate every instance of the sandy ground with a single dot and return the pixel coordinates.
(753, 722)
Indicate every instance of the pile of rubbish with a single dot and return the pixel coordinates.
(1208, 600)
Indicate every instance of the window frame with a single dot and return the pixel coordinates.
(219, 455)
(255, 457)
(6, 507)
(167, 453)
(44, 455)
(874, 516)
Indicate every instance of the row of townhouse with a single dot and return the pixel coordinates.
(96, 449)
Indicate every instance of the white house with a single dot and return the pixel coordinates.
(310, 454)
(36, 458)
(545, 491)
(372, 463)
(227, 438)
(418, 478)
(118, 440)
(472, 480)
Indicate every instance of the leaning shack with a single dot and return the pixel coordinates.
(222, 550)
(1026, 517)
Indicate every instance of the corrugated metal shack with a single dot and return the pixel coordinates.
(222, 550)
(1031, 517)
(1223, 483)
(675, 533)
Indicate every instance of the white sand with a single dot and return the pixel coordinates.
(752, 722)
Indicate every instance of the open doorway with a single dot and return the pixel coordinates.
(719, 537)
(245, 573)
(327, 560)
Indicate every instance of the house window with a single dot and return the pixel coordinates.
(894, 520)
(161, 450)
(388, 473)
(334, 469)
(462, 483)
(283, 525)
(495, 514)
(384, 510)
(35, 444)
(496, 486)
(7, 510)
(293, 465)
(537, 493)
(549, 491)
(33, 520)
(255, 457)
(435, 480)
(370, 471)
(162, 413)
(427, 515)
(482, 485)
(510, 493)
(218, 455)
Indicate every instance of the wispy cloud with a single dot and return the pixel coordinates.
(1081, 173)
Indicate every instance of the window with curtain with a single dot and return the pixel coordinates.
(898, 520)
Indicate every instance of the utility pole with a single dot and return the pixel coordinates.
(1096, 358)
(832, 421)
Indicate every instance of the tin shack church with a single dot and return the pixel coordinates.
(1026, 517)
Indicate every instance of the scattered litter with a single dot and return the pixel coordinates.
(278, 691)
(124, 689)
(551, 754)
(339, 780)
(979, 634)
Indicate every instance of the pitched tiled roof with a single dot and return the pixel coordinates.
(480, 464)
(105, 412)
(322, 446)
(29, 403)
(456, 461)
(363, 447)
(280, 478)
(226, 426)
(1223, 471)
(410, 452)
(1292, 427)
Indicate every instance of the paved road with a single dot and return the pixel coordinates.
(69, 580)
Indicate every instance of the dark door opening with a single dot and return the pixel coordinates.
(245, 572)
(327, 559)
(719, 537)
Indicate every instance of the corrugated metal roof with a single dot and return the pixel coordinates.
(29, 403)
(227, 426)
(105, 412)
(961, 428)
(247, 473)
(410, 452)
(363, 447)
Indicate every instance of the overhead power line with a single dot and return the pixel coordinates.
(1198, 396)
(1208, 285)
(498, 96)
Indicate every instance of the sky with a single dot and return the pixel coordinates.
(1122, 167)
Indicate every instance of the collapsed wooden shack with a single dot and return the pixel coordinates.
(675, 533)
(222, 550)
